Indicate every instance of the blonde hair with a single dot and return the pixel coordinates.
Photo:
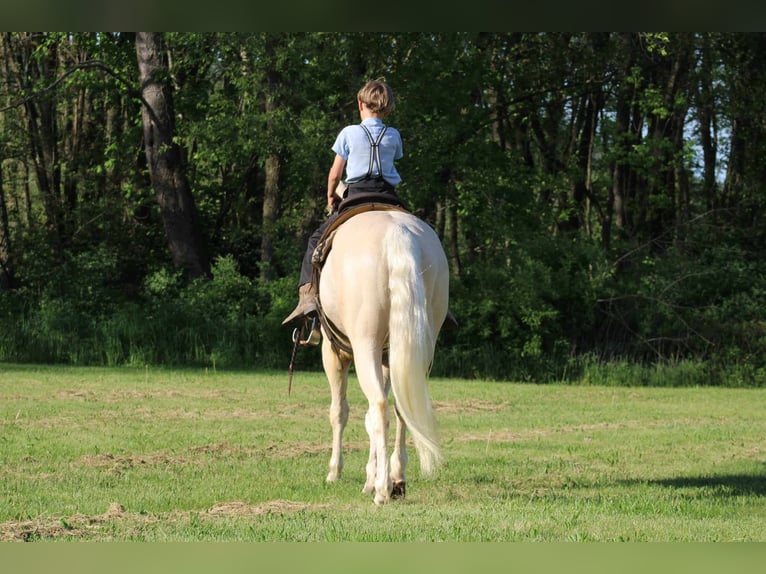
(377, 96)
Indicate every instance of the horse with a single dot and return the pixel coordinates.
(384, 289)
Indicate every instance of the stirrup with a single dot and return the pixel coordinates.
(314, 337)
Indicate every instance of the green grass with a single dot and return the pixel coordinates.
(196, 455)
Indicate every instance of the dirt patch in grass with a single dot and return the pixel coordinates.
(118, 463)
(99, 527)
(68, 394)
(501, 435)
(469, 406)
(47, 528)
(239, 508)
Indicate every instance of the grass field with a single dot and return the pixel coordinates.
(195, 455)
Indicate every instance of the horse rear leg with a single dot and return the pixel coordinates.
(336, 369)
(399, 459)
(371, 378)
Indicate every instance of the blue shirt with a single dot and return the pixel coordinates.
(353, 146)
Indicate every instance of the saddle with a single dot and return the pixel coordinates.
(325, 241)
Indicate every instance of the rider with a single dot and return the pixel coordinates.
(367, 152)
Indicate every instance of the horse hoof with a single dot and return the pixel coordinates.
(399, 489)
(380, 499)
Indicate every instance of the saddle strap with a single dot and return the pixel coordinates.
(337, 338)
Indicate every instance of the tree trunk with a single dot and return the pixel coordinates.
(707, 123)
(624, 139)
(27, 71)
(272, 166)
(163, 156)
(453, 247)
(6, 268)
(668, 186)
(270, 207)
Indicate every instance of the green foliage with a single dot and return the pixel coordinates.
(702, 300)
(518, 149)
(588, 370)
(228, 321)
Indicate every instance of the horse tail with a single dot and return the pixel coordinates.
(411, 344)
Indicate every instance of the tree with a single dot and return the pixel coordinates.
(6, 265)
(164, 158)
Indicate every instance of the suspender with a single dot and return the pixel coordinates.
(374, 151)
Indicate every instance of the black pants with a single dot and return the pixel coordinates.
(369, 191)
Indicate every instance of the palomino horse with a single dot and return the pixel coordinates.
(385, 286)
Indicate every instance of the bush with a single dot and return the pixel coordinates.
(228, 321)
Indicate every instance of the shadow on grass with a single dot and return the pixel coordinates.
(720, 484)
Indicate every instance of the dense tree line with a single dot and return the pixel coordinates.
(599, 195)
